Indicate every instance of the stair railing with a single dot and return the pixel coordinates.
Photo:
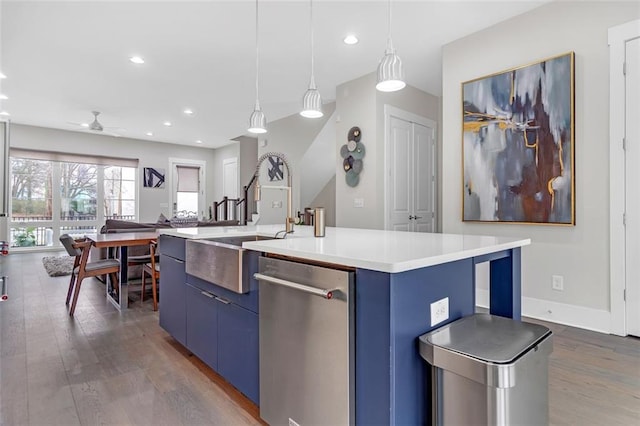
(222, 208)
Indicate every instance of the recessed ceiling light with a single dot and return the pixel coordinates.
(3, 97)
(188, 111)
(2, 75)
(350, 39)
(167, 123)
(84, 124)
(136, 60)
(149, 134)
(198, 141)
(5, 113)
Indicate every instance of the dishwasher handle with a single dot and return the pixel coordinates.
(325, 294)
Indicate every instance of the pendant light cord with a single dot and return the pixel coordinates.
(257, 63)
(313, 82)
(389, 40)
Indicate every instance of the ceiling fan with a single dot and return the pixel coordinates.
(97, 127)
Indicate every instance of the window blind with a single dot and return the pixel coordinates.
(67, 157)
(188, 178)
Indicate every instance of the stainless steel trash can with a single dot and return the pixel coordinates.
(488, 370)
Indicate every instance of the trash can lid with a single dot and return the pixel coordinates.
(487, 337)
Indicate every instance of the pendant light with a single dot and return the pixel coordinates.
(390, 70)
(311, 101)
(257, 120)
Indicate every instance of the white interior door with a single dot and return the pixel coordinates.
(399, 172)
(424, 178)
(632, 186)
(230, 177)
(410, 174)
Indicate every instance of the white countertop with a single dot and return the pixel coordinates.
(385, 251)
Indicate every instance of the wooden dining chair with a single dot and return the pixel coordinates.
(152, 269)
(83, 269)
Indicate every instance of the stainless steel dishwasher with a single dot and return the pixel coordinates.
(306, 344)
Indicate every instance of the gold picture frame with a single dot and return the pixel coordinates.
(518, 137)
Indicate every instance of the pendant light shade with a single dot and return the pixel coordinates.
(311, 101)
(390, 72)
(390, 69)
(257, 120)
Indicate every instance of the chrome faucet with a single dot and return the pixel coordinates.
(290, 220)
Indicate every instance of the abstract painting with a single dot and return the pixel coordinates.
(153, 177)
(275, 170)
(518, 144)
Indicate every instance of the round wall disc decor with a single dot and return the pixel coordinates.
(352, 153)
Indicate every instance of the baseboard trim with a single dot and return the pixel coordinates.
(561, 313)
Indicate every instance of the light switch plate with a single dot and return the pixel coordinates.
(276, 204)
(439, 311)
(358, 203)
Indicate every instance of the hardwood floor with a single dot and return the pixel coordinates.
(103, 367)
(100, 367)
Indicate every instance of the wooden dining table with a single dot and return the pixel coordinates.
(122, 241)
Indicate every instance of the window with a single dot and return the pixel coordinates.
(120, 192)
(78, 191)
(188, 188)
(49, 197)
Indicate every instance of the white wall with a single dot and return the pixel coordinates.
(358, 103)
(578, 253)
(219, 155)
(292, 136)
(248, 158)
(356, 106)
(327, 199)
(152, 201)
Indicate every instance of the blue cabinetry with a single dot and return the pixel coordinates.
(238, 357)
(219, 326)
(202, 325)
(172, 288)
(224, 334)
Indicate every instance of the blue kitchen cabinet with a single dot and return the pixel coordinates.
(202, 325)
(217, 325)
(238, 351)
(172, 297)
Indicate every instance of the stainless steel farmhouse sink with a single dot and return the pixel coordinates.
(221, 261)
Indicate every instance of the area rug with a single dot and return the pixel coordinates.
(57, 266)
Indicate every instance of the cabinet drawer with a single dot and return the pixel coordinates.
(202, 325)
(247, 300)
(172, 246)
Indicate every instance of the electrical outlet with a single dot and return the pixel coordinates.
(276, 204)
(439, 311)
(557, 282)
(358, 203)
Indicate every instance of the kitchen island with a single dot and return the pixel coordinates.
(398, 275)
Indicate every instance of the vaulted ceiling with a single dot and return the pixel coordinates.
(65, 59)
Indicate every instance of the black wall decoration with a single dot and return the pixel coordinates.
(352, 153)
(153, 177)
(275, 170)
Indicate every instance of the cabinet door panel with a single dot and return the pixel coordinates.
(172, 297)
(172, 246)
(202, 325)
(238, 349)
